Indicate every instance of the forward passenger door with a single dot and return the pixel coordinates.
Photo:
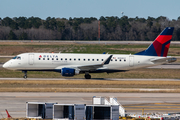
(31, 59)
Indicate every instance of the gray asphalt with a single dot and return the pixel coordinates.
(115, 79)
(15, 102)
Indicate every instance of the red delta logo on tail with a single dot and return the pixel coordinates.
(161, 44)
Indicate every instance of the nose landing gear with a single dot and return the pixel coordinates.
(25, 74)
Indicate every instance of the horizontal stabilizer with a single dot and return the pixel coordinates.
(164, 60)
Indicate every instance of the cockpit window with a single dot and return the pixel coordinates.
(14, 57)
(17, 57)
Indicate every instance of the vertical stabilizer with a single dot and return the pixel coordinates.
(8, 115)
(161, 44)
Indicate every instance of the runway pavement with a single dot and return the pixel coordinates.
(15, 102)
(115, 79)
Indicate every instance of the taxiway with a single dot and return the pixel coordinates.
(115, 79)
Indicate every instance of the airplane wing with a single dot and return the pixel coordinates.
(88, 67)
(94, 67)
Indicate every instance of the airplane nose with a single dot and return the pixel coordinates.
(5, 65)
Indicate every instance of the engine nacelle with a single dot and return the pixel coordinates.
(69, 72)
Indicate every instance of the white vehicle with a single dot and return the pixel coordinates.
(69, 64)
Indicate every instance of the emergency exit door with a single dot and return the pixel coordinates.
(31, 59)
(131, 61)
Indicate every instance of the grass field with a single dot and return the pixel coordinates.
(14, 48)
(88, 86)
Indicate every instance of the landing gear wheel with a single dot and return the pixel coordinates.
(87, 76)
(25, 74)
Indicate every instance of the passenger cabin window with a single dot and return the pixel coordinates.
(61, 58)
(39, 58)
(43, 58)
(92, 59)
(79, 59)
(70, 59)
(101, 59)
(47, 58)
(56, 58)
(74, 59)
(84, 59)
(65, 58)
(52, 58)
(88, 59)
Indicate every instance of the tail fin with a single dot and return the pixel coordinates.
(161, 44)
(8, 115)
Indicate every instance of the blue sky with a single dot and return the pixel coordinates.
(89, 8)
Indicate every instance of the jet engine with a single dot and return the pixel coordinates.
(69, 72)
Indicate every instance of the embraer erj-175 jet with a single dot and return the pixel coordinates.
(69, 64)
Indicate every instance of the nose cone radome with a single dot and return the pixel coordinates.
(6, 65)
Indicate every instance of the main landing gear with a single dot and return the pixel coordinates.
(87, 76)
(25, 74)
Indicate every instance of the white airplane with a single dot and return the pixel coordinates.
(69, 64)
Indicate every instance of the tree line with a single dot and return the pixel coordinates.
(111, 28)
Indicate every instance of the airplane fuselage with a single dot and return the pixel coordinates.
(57, 61)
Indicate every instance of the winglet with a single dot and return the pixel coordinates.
(107, 60)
